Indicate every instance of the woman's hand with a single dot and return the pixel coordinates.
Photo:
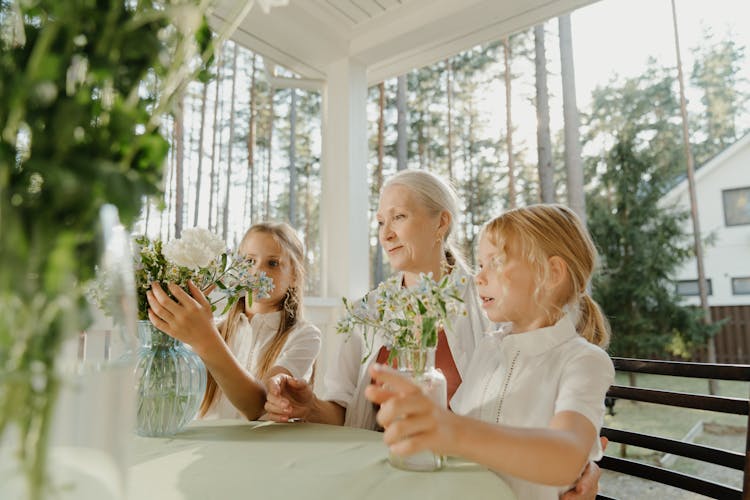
(288, 398)
(587, 486)
(412, 421)
(186, 318)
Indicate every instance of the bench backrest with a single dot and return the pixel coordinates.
(739, 406)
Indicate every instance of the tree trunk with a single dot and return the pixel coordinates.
(573, 163)
(509, 125)
(225, 218)
(378, 267)
(401, 123)
(165, 228)
(421, 140)
(204, 94)
(702, 287)
(466, 153)
(214, 142)
(147, 221)
(292, 164)
(544, 142)
(250, 199)
(308, 224)
(449, 94)
(267, 205)
(179, 152)
(472, 222)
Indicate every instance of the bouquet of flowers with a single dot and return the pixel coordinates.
(198, 255)
(408, 318)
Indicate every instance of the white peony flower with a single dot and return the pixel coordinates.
(195, 249)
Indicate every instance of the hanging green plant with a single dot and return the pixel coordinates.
(83, 84)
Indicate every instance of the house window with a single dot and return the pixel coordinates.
(741, 286)
(736, 206)
(688, 288)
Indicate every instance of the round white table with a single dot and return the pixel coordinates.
(245, 460)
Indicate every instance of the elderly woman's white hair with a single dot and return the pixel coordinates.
(437, 196)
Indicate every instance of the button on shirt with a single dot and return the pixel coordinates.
(524, 379)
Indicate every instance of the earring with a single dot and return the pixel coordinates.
(290, 302)
(445, 267)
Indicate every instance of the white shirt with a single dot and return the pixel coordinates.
(249, 344)
(346, 380)
(524, 379)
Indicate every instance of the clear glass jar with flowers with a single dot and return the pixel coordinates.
(409, 319)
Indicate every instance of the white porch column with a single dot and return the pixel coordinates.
(344, 205)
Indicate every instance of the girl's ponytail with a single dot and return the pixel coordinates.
(592, 324)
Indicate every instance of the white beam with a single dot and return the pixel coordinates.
(420, 36)
(344, 200)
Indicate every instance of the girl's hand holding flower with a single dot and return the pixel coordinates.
(186, 319)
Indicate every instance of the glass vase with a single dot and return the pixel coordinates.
(171, 381)
(419, 365)
(86, 448)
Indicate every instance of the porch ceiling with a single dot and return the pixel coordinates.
(390, 37)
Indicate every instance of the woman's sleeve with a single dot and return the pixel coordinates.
(300, 351)
(342, 374)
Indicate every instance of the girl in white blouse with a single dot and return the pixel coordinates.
(532, 404)
(254, 342)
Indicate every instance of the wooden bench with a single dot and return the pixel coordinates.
(739, 406)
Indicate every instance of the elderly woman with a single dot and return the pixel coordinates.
(416, 218)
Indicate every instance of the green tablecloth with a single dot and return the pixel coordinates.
(231, 460)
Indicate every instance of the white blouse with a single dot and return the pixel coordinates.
(250, 342)
(346, 380)
(524, 379)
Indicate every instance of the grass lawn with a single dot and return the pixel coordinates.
(720, 430)
(668, 421)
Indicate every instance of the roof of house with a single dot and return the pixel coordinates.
(708, 167)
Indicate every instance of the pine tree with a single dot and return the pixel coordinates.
(544, 141)
(716, 72)
(641, 245)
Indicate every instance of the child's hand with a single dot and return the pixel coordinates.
(287, 398)
(412, 421)
(187, 318)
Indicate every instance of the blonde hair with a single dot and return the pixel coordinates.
(546, 230)
(436, 196)
(290, 305)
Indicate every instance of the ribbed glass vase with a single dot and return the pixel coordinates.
(171, 381)
(419, 364)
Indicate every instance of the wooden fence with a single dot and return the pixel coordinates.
(733, 340)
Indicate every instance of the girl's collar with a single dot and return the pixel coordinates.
(270, 319)
(537, 341)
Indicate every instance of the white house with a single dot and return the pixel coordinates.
(723, 193)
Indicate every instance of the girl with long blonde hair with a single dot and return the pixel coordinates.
(254, 341)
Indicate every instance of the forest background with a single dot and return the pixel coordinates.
(491, 120)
